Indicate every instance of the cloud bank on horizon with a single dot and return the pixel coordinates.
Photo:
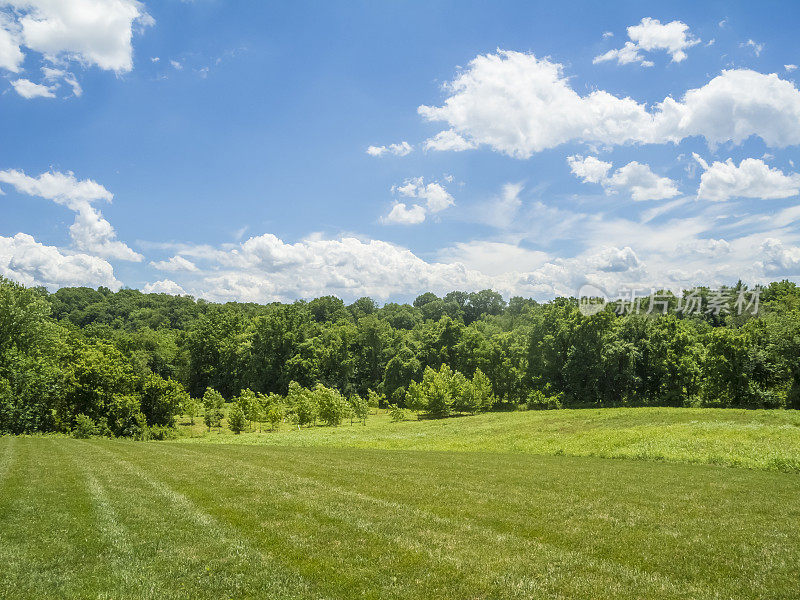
(620, 190)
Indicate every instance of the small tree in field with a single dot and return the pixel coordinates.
(84, 427)
(302, 404)
(237, 420)
(444, 392)
(212, 408)
(415, 400)
(266, 402)
(190, 408)
(332, 407)
(397, 413)
(248, 402)
(275, 415)
(373, 400)
(161, 400)
(477, 394)
(359, 408)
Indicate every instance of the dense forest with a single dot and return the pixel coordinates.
(127, 363)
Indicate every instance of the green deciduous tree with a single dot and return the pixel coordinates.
(212, 408)
(190, 408)
(237, 421)
(331, 406)
(359, 408)
(161, 400)
(274, 415)
(302, 404)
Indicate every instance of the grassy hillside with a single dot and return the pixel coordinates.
(760, 439)
(114, 519)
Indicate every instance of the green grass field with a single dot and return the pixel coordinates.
(759, 439)
(276, 517)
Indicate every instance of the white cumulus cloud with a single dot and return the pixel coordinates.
(11, 56)
(265, 268)
(96, 33)
(650, 35)
(434, 196)
(31, 263)
(63, 188)
(401, 149)
(448, 140)
(405, 215)
(629, 53)
(164, 286)
(518, 104)
(590, 168)
(779, 259)
(94, 234)
(92, 32)
(175, 263)
(494, 258)
(642, 183)
(751, 178)
(28, 89)
(635, 178)
(90, 232)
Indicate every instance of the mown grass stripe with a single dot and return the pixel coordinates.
(156, 520)
(419, 522)
(279, 583)
(124, 569)
(459, 530)
(47, 528)
(9, 443)
(769, 537)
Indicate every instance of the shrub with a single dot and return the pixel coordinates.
(374, 399)
(84, 427)
(440, 390)
(480, 389)
(443, 392)
(191, 406)
(399, 395)
(125, 417)
(538, 401)
(160, 432)
(250, 404)
(162, 400)
(397, 413)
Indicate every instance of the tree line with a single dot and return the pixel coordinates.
(126, 363)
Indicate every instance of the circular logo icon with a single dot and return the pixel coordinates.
(591, 299)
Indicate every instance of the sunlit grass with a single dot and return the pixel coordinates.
(117, 519)
(758, 439)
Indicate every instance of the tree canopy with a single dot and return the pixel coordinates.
(128, 362)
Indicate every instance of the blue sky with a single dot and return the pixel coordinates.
(250, 151)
